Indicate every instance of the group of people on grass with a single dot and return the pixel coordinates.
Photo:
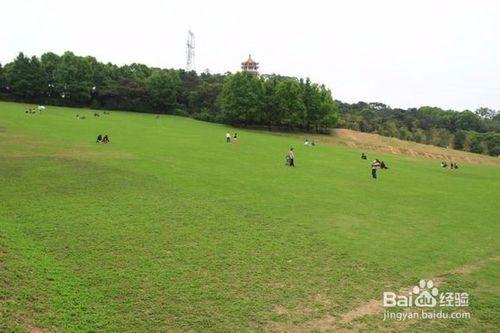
(309, 143)
(376, 165)
(452, 165)
(96, 114)
(228, 137)
(102, 138)
(38, 109)
(31, 111)
(290, 156)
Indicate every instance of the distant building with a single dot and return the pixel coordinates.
(250, 65)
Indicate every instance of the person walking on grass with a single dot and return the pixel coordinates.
(228, 137)
(235, 137)
(375, 166)
(291, 158)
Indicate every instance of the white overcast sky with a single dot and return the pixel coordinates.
(404, 53)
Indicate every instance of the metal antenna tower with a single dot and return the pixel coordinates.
(190, 66)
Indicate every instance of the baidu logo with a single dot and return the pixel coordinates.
(423, 295)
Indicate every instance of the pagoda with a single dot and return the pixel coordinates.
(250, 65)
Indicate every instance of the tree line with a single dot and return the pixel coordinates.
(238, 99)
(477, 132)
(241, 99)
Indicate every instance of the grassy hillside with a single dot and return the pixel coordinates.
(168, 228)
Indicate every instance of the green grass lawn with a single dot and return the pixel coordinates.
(168, 228)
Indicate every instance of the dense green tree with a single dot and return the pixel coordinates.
(492, 141)
(289, 104)
(459, 140)
(327, 115)
(312, 102)
(73, 77)
(405, 134)
(368, 121)
(440, 137)
(467, 120)
(390, 129)
(269, 115)
(26, 78)
(419, 135)
(189, 93)
(241, 99)
(3, 79)
(485, 113)
(163, 88)
(50, 62)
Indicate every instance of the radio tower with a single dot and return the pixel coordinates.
(190, 52)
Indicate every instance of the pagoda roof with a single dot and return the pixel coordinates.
(249, 61)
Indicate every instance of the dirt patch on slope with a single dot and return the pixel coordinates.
(369, 141)
(369, 308)
(374, 142)
(36, 330)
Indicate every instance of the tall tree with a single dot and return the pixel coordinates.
(312, 102)
(269, 115)
(485, 113)
(26, 78)
(163, 88)
(50, 62)
(3, 79)
(241, 99)
(327, 114)
(74, 79)
(289, 104)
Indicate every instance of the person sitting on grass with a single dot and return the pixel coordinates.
(456, 166)
(383, 166)
(99, 138)
(443, 164)
(306, 142)
(363, 156)
(313, 143)
(105, 139)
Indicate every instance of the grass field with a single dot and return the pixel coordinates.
(170, 229)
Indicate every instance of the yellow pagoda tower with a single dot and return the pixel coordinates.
(250, 65)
